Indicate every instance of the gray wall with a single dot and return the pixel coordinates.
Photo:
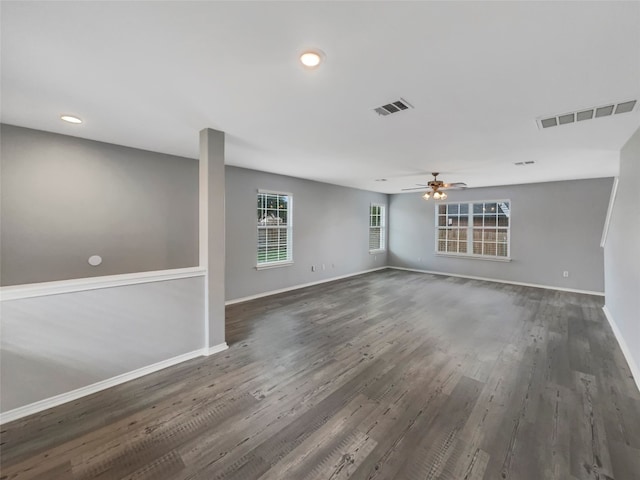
(330, 227)
(54, 344)
(555, 226)
(622, 258)
(65, 199)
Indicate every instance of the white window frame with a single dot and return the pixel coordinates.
(470, 227)
(383, 227)
(288, 227)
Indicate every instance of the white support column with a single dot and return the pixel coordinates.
(212, 236)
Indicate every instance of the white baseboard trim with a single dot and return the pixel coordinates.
(47, 403)
(626, 351)
(535, 285)
(302, 285)
(215, 349)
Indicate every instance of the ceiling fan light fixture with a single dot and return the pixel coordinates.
(436, 195)
(439, 196)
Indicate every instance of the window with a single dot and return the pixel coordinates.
(376, 228)
(274, 229)
(453, 225)
(475, 229)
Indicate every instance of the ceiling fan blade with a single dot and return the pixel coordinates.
(420, 186)
(434, 185)
(454, 186)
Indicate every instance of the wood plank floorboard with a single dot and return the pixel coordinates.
(387, 375)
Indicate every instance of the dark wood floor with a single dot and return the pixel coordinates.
(386, 375)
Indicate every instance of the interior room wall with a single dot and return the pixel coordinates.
(622, 258)
(555, 227)
(64, 199)
(330, 229)
(54, 344)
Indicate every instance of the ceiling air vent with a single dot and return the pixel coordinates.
(393, 107)
(604, 111)
(586, 114)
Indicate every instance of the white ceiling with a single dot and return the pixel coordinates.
(152, 74)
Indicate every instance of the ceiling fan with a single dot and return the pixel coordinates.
(436, 188)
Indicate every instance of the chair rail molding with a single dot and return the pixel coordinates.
(58, 287)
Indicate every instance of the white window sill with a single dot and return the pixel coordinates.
(265, 266)
(377, 252)
(474, 257)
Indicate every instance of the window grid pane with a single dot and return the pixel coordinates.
(452, 221)
(376, 227)
(274, 228)
(482, 227)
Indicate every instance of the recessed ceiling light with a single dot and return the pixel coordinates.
(311, 58)
(70, 119)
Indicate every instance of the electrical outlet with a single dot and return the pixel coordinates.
(323, 267)
(313, 268)
(565, 274)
